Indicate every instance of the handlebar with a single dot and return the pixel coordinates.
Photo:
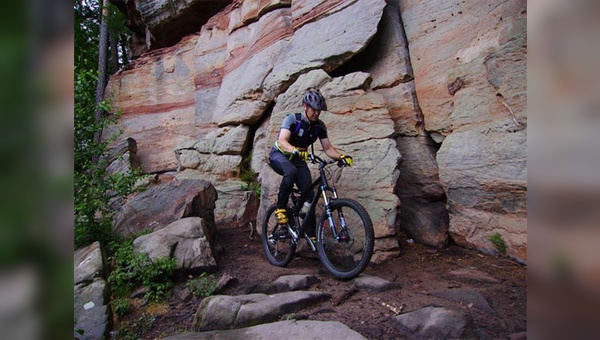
(314, 159)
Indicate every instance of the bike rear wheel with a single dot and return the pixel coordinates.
(348, 255)
(276, 240)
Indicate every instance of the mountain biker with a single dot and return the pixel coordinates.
(289, 154)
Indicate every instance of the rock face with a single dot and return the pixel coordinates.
(429, 99)
(480, 119)
(360, 125)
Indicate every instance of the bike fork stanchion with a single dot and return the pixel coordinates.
(332, 224)
(343, 235)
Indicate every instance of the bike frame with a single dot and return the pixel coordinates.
(323, 187)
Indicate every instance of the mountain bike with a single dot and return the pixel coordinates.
(344, 231)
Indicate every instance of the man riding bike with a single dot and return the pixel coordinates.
(289, 154)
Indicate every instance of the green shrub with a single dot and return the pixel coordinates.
(498, 242)
(133, 330)
(94, 186)
(121, 306)
(132, 269)
(203, 286)
(249, 177)
(253, 186)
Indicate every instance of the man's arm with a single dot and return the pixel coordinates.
(329, 149)
(284, 141)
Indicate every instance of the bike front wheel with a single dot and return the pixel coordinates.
(347, 252)
(276, 240)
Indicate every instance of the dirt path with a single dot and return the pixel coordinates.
(419, 270)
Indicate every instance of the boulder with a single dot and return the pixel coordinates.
(235, 204)
(229, 312)
(431, 323)
(187, 240)
(88, 263)
(374, 283)
(290, 329)
(288, 283)
(165, 203)
(470, 274)
(468, 298)
(91, 312)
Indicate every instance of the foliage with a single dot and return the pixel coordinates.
(87, 30)
(291, 316)
(249, 177)
(94, 186)
(203, 286)
(132, 269)
(498, 242)
(121, 306)
(133, 330)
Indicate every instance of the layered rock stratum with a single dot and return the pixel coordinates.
(428, 97)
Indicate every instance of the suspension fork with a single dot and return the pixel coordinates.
(332, 225)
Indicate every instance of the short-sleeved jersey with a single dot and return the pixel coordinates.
(303, 132)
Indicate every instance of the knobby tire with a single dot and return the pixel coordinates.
(277, 242)
(346, 259)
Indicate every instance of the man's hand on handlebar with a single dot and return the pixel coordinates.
(347, 160)
(302, 154)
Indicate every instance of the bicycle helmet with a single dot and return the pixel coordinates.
(315, 99)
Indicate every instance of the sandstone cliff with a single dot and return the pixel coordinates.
(428, 97)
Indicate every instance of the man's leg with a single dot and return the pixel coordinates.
(304, 181)
(285, 168)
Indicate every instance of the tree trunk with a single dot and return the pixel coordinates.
(102, 67)
(114, 53)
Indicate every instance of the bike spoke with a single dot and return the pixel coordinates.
(347, 251)
(277, 241)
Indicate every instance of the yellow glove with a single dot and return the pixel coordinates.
(347, 160)
(303, 155)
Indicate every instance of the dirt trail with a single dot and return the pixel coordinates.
(419, 270)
